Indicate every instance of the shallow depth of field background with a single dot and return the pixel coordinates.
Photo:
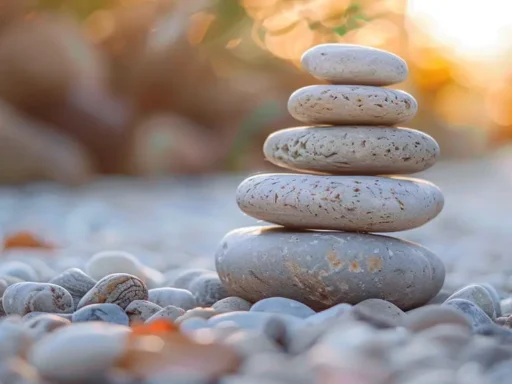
(152, 87)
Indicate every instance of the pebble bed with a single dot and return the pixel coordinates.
(137, 251)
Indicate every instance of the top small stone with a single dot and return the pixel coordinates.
(354, 65)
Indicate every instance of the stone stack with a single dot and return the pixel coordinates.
(322, 252)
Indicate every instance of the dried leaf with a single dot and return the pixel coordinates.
(158, 347)
(25, 240)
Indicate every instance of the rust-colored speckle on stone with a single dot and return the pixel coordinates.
(374, 264)
(354, 267)
(333, 260)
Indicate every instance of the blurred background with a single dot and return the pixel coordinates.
(156, 87)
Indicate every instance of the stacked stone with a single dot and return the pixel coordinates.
(322, 252)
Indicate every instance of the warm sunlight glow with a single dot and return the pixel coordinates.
(476, 29)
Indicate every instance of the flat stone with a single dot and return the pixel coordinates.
(384, 309)
(479, 296)
(351, 105)
(231, 304)
(106, 312)
(328, 314)
(118, 288)
(354, 64)
(433, 315)
(22, 298)
(139, 311)
(170, 313)
(283, 305)
(177, 297)
(352, 150)
(342, 203)
(76, 282)
(322, 269)
(473, 312)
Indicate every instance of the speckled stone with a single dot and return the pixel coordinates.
(207, 289)
(473, 312)
(344, 203)
(352, 150)
(354, 64)
(180, 298)
(231, 304)
(108, 313)
(351, 105)
(22, 298)
(76, 282)
(139, 311)
(321, 269)
(118, 288)
(170, 313)
(479, 296)
(283, 305)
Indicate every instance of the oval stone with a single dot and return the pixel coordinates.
(352, 150)
(322, 269)
(350, 104)
(344, 203)
(354, 64)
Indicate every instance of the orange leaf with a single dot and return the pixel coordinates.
(25, 240)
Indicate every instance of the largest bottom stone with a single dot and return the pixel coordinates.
(322, 269)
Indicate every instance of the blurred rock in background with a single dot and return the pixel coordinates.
(151, 87)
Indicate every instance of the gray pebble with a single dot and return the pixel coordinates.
(383, 309)
(22, 298)
(184, 279)
(249, 343)
(474, 313)
(207, 289)
(441, 297)
(322, 269)
(3, 286)
(111, 262)
(231, 304)
(172, 296)
(193, 324)
(76, 282)
(328, 314)
(139, 311)
(108, 313)
(433, 315)
(11, 280)
(477, 295)
(45, 323)
(486, 355)
(169, 312)
(119, 288)
(203, 313)
(454, 337)
(20, 270)
(33, 315)
(495, 297)
(283, 305)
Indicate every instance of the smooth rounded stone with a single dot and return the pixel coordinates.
(153, 278)
(328, 314)
(247, 343)
(110, 262)
(441, 297)
(231, 304)
(17, 371)
(473, 312)
(76, 282)
(45, 323)
(342, 203)
(186, 277)
(477, 295)
(3, 286)
(108, 313)
(139, 311)
(170, 312)
(354, 64)
(203, 313)
(352, 150)
(80, 352)
(351, 105)
(207, 289)
(283, 305)
(118, 288)
(22, 298)
(384, 309)
(434, 315)
(322, 269)
(172, 296)
(18, 269)
(32, 315)
(193, 324)
(11, 280)
(506, 306)
(495, 297)
(273, 326)
(15, 339)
